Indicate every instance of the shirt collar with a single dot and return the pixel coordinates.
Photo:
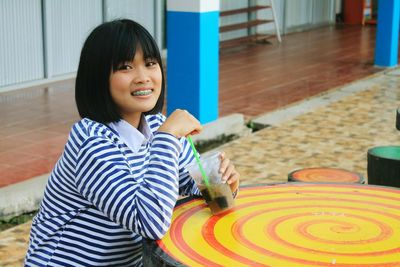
(132, 137)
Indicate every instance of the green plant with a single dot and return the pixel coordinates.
(6, 223)
(203, 146)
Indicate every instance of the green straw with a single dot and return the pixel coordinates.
(203, 173)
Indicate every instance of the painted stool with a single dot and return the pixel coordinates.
(327, 175)
(384, 165)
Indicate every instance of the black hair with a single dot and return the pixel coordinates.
(107, 46)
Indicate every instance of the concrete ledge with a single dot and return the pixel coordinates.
(228, 125)
(41, 82)
(22, 197)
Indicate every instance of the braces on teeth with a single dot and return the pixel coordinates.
(142, 92)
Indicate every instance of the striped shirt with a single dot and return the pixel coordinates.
(104, 195)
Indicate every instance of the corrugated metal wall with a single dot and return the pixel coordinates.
(42, 39)
(279, 6)
(298, 13)
(238, 18)
(304, 14)
(324, 11)
(67, 24)
(139, 11)
(21, 42)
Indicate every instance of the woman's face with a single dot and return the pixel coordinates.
(136, 86)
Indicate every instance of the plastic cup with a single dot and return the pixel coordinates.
(218, 194)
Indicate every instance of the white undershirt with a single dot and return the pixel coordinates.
(132, 137)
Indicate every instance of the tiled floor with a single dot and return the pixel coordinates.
(35, 123)
(266, 77)
(260, 78)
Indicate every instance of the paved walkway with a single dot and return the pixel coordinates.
(334, 129)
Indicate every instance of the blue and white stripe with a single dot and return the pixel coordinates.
(193, 36)
(102, 198)
(193, 5)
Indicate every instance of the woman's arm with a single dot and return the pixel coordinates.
(103, 176)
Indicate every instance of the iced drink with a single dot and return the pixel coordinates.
(218, 197)
(217, 194)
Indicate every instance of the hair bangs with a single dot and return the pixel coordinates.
(149, 47)
(126, 44)
(124, 49)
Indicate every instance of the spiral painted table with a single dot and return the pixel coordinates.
(293, 224)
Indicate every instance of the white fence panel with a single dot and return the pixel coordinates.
(21, 45)
(67, 24)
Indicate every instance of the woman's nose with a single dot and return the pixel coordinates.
(141, 75)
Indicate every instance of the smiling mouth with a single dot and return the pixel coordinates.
(142, 92)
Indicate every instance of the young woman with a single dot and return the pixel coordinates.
(122, 168)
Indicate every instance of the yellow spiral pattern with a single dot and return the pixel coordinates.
(291, 225)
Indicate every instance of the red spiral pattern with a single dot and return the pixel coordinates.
(291, 225)
(331, 175)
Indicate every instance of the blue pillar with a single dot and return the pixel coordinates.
(192, 57)
(387, 35)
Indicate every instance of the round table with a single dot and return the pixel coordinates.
(292, 224)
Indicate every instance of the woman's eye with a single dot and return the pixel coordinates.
(151, 62)
(125, 67)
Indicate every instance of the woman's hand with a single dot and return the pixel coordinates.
(180, 124)
(229, 173)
